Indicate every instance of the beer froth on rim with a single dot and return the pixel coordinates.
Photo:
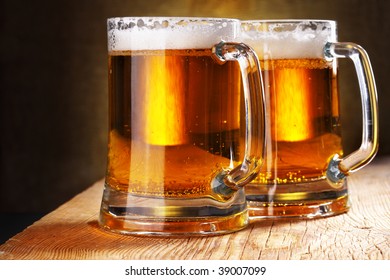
(289, 39)
(153, 33)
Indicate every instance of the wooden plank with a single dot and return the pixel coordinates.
(71, 232)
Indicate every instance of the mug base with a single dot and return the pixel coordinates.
(129, 214)
(307, 200)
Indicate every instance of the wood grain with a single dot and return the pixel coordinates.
(71, 232)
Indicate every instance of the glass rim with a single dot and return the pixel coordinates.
(290, 21)
(193, 19)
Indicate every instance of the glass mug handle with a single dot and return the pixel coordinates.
(228, 181)
(339, 168)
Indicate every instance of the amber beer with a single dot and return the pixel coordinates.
(183, 137)
(303, 124)
(303, 120)
(175, 114)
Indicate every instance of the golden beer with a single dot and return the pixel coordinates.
(302, 122)
(183, 137)
(174, 115)
(303, 118)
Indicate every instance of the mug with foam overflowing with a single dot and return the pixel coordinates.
(304, 171)
(178, 154)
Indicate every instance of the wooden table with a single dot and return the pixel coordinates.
(71, 232)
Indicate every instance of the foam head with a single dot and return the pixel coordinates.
(156, 33)
(288, 39)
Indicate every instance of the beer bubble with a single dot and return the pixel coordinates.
(140, 23)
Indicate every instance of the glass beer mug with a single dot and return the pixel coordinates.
(178, 155)
(304, 170)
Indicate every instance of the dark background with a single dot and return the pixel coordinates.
(54, 86)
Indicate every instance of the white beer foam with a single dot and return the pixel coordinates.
(290, 39)
(169, 33)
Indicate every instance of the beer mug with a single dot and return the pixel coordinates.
(304, 170)
(178, 154)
